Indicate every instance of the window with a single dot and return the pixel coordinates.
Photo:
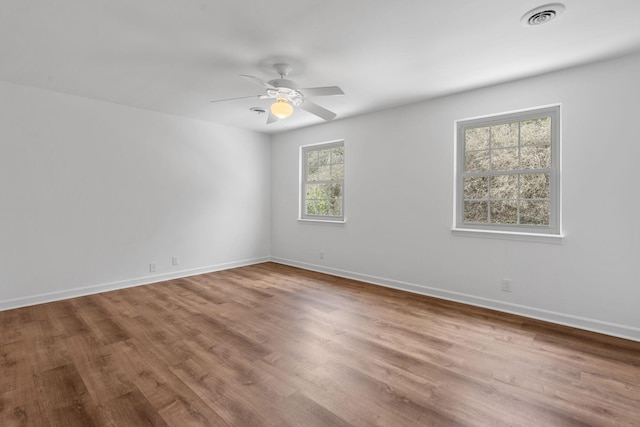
(322, 183)
(507, 176)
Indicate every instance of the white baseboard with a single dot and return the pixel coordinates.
(104, 287)
(593, 325)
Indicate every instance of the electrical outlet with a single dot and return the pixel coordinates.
(153, 267)
(321, 254)
(174, 260)
(506, 285)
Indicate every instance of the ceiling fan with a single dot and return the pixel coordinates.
(287, 95)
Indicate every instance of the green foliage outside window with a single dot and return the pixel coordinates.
(507, 173)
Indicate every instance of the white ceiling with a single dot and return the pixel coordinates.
(174, 56)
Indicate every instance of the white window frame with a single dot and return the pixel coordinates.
(551, 233)
(302, 216)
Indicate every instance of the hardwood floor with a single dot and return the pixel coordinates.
(270, 345)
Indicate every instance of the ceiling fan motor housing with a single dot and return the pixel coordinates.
(289, 84)
(285, 89)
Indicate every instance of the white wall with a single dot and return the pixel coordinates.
(399, 203)
(92, 192)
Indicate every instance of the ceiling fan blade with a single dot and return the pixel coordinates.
(257, 81)
(272, 118)
(322, 91)
(319, 111)
(233, 99)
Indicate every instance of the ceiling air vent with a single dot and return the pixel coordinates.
(543, 14)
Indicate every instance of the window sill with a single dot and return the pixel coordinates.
(556, 239)
(323, 221)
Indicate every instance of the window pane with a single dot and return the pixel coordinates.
(504, 212)
(324, 157)
(337, 172)
(534, 212)
(476, 188)
(334, 191)
(324, 173)
(337, 155)
(535, 131)
(504, 187)
(536, 157)
(323, 192)
(335, 207)
(476, 139)
(534, 186)
(323, 207)
(476, 212)
(311, 207)
(477, 161)
(312, 166)
(317, 207)
(505, 135)
(311, 191)
(312, 159)
(504, 159)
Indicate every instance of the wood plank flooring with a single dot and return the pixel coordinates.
(271, 345)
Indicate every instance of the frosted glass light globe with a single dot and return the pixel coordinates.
(281, 109)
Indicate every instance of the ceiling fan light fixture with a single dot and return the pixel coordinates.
(281, 108)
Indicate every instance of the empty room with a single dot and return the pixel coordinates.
(319, 213)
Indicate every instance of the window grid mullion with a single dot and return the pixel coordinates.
(507, 172)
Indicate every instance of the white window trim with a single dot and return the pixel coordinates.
(551, 234)
(302, 173)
